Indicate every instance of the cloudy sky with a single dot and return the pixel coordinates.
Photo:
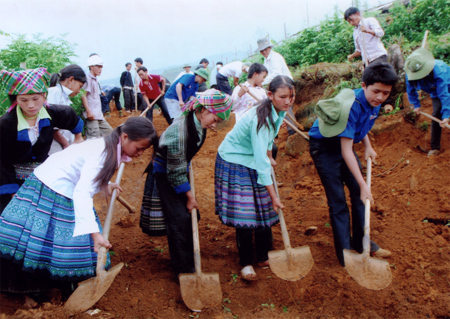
(164, 33)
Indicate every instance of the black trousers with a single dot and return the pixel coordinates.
(162, 105)
(436, 128)
(263, 244)
(178, 225)
(141, 104)
(128, 97)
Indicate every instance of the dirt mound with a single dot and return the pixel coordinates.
(408, 189)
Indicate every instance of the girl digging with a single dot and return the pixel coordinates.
(245, 195)
(63, 85)
(168, 199)
(26, 130)
(50, 230)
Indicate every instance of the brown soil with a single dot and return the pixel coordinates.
(407, 187)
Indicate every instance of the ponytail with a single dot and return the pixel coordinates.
(54, 79)
(137, 128)
(66, 72)
(264, 111)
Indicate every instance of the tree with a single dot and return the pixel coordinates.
(51, 53)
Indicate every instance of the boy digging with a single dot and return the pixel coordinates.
(344, 120)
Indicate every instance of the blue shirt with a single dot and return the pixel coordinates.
(244, 146)
(360, 120)
(189, 88)
(437, 87)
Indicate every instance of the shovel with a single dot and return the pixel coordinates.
(369, 272)
(91, 290)
(199, 290)
(150, 106)
(291, 263)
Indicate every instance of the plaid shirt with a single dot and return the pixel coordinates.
(177, 146)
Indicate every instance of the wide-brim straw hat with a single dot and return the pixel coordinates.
(419, 64)
(333, 113)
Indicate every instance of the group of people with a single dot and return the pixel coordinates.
(49, 230)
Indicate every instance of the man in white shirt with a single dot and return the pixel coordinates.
(273, 61)
(231, 70)
(212, 77)
(367, 36)
(187, 70)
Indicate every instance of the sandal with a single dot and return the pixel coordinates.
(248, 273)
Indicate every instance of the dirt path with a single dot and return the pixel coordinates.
(415, 189)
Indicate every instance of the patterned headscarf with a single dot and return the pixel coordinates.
(214, 101)
(25, 82)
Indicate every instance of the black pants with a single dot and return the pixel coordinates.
(223, 84)
(436, 128)
(128, 97)
(141, 104)
(162, 105)
(263, 244)
(178, 225)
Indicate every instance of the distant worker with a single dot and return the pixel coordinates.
(182, 90)
(432, 76)
(126, 82)
(187, 70)
(231, 70)
(273, 61)
(141, 105)
(111, 92)
(367, 36)
(203, 64)
(212, 77)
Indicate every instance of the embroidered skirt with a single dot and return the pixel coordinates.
(36, 232)
(240, 201)
(152, 217)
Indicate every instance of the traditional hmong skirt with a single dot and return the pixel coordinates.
(36, 232)
(240, 201)
(152, 217)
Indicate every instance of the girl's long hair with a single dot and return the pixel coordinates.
(264, 111)
(137, 128)
(66, 72)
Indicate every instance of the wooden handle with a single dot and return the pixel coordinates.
(366, 238)
(284, 231)
(424, 42)
(126, 204)
(251, 94)
(197, 258)
(435, 119)
(150, 106)
(108, 218)
(296, 129)
(300, 127)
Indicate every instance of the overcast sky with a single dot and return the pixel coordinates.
(164, 33)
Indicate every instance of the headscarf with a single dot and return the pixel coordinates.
(214, 101)
(25, 82)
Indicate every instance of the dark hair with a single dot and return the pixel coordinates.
(264, 111)
(141, 68)
(66, 72)
(128, 63)
(380, 72)
(139, 60)
(136, 128)
(349, 12)
(92, 54)
(256, 68)
(204, 60)
(219, 63)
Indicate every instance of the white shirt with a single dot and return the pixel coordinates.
(71, 173)
(59, 94)
(276, 65)
(246, 102)
(181, 74)
(370, 46)
(212, 77)
(232, 69)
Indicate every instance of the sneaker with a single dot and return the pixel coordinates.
(120, 113)
(381, 253)
(433, 153)
(108, 114)
(128, 111)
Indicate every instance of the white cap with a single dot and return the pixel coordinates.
(94, 60)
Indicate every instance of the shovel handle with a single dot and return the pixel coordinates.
(292, 126)
(284, 231)
(127, 205)
(150, 106)
(424, 42)
(197, 258)
(366, 238)
(435, 119)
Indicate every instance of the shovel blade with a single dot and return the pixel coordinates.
(91, 290)
(200, 290)
(292, 265)
(371, 273)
